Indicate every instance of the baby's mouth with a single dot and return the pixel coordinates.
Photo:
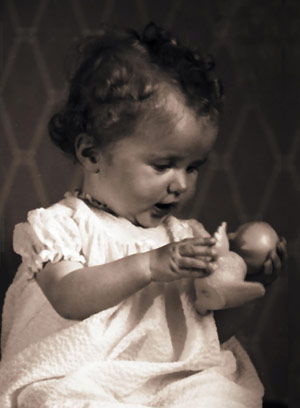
(164, 208)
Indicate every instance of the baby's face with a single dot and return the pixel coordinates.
(146, 176)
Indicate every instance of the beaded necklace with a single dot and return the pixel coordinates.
(88, 199)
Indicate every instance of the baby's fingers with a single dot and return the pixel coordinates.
(199, 247)
(196, 267)
(205, 241)
(191, 263)
(282, 249)
(276, 262)
(267, 277)
(198, 251)
(272, 268)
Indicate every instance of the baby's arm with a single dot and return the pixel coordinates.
(229, 321)
(272, 266)
(77, 292)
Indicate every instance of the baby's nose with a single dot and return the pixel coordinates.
(178, 184)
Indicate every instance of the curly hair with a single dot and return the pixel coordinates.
(117, 72)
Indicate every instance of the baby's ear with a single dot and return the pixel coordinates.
(86, 153)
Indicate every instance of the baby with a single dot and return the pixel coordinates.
(102, 310)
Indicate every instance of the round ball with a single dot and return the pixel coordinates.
(254, 241)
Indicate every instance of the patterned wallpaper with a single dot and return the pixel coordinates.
(254, 171)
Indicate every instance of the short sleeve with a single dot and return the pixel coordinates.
(49, 235)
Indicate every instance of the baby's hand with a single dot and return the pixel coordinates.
(273, 265)
(190, 258)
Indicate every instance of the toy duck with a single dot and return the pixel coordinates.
(226, 286)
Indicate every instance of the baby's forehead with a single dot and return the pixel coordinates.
(167, 108)
(171, 101)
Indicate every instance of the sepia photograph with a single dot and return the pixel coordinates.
(149, 203)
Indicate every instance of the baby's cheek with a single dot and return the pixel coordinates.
(189, 194)
(149, 187)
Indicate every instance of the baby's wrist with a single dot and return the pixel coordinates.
(153, 261)
(151, 264)
(145, 267)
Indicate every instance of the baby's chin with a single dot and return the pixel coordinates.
(146, 220)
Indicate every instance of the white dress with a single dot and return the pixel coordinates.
(151, 350)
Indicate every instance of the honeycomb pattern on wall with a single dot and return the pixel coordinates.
(254, 171)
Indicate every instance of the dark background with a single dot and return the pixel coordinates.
(254, 173)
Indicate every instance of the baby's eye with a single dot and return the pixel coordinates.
(161, 167)
(192, 169)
